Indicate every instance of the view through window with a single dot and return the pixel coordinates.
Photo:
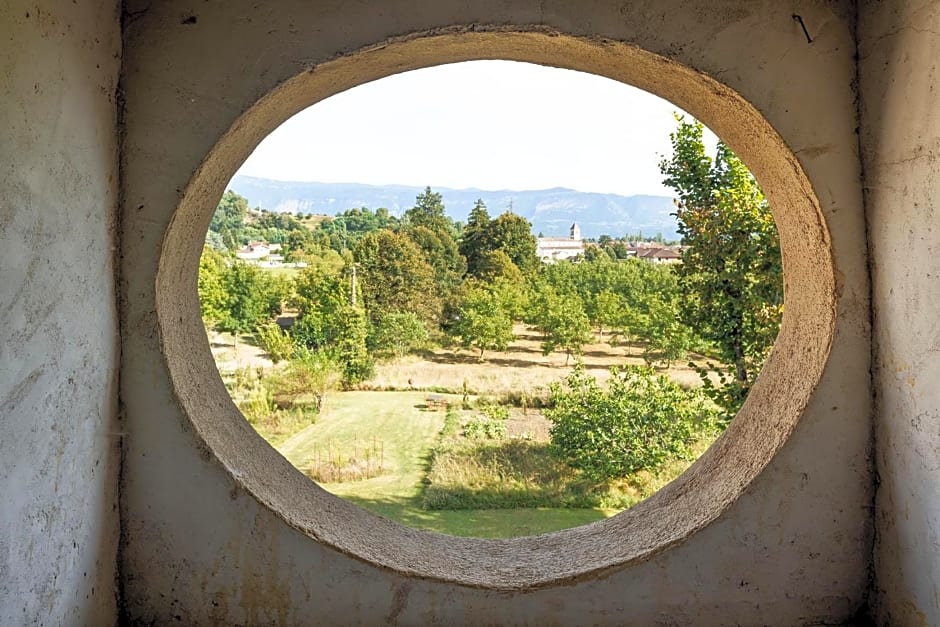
(491, 298)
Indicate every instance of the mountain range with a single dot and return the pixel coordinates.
(551, 211)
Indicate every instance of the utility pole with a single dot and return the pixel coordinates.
(352, 298)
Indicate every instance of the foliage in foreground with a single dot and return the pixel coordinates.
(640, 421)
(476, 465)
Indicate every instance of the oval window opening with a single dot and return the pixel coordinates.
(491, 299)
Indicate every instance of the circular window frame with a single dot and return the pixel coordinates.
(676, 512)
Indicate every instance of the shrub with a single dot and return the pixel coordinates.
(309, 373)
(495, 412)
(484, 428)
(639, 422)
(258, 406)
(275, 342)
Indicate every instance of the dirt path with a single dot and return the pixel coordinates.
(229, 357)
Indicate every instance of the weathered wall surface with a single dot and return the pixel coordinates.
(59, 64)
(898, 49)
(793, 550)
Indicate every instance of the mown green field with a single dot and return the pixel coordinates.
(397, 431)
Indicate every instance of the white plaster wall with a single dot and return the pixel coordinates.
(793, 550)
(59, 64)
(898, 50)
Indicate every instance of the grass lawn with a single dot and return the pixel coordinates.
(394, 422)
(400, 426)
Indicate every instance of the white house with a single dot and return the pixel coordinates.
(253, 251)
(552, 249)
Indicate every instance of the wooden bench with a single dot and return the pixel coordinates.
(436, 401)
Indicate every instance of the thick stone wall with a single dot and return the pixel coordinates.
(793, 549)
(199, 548)
(898, 50)
(59, 350)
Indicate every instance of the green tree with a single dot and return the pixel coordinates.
(509, 233)
(495, 265)
(298, 244)
(512, 234)
(229, 219)
(512, 294)
(327, 321)
(211, 288)
(561, 319)
(356, 361)
(639, 422)
(252, 297)
(668, 339)
(398, 333)
(275, 342)
(608, 310)
(395, 277)
(474, 243)
(731, 273)
(344, 230)
(307, 373)
(321, 297)
(276, 227)
(483, 321)
(428, 211)
(215, 241)
(441, 252)
(596, 253)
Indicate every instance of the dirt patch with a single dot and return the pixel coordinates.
(230, 356)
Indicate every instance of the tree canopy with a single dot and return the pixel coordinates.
(484, 321)
(509, 233)
(395, 276)
(731, 273)
(428, 211)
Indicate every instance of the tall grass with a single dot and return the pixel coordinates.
(350, 461)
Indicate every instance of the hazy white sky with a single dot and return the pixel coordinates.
(486, 124)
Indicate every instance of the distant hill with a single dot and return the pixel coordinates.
(551, 211)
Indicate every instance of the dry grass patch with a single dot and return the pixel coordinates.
(520, 370)
(354, 461)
